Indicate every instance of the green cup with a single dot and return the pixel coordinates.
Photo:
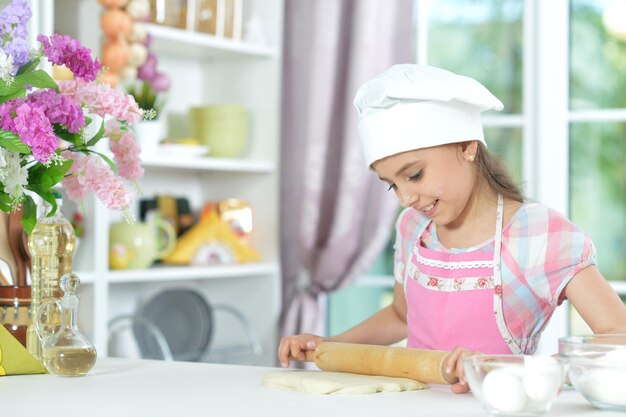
(222, 128)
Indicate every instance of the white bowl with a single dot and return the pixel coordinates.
(597, 368)
(515, 385)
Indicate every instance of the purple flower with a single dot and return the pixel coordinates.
(64, 50)
(19, 49)
(148, 70)
(59, 109)
(14, 18)
(161, 83)
(7, 112)
(31, 125)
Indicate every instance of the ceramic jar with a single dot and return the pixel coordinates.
(139, 245)
(222, 128)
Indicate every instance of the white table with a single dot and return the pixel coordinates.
(120, 388)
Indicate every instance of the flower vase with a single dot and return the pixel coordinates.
(149, 134)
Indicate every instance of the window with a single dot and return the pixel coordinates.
(597, 126)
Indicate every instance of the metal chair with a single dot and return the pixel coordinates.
(178, 324)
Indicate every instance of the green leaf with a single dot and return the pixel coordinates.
(42, 178)
(74, 138)
(19, 93)
(29, 214)
(12, 142)
(30, 66)
(63, 133)
(97, 136)
(38, 79)
(5, 202)
(49, 197)
(106, 159)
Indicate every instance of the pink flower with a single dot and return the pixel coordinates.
(64, 50)
(482, 282)
(59, 109)
(498, 289)
(433, 282)
(90, 173)
(125, 149)
(102, 99)
(30, 123)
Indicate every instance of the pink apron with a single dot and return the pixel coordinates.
(455, 299)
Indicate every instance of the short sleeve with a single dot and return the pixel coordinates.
(410, 222)
(576, 254)
(547, 250)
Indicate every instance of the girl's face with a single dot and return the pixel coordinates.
(438, 181)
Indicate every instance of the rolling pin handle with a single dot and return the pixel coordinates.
(450, 377)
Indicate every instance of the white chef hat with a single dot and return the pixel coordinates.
(412, 106)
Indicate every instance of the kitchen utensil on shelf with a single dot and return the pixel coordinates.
(184, 318)
(137, 245)
(418, 364)
(223, 128)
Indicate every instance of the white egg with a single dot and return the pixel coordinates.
(503, 390)
(604, 385)
(542, 386)
(543, 378)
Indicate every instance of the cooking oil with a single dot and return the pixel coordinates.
(69, 360)
(65, 352)
(51, 245)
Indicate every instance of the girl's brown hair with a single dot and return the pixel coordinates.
(495, 174)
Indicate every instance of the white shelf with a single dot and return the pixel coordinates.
(86, 277)
(180, 42)
(211, 164)
(176, 273)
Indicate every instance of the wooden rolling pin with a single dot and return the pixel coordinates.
(420, 365)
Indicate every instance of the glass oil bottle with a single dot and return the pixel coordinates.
(51, 245)
(65, 352)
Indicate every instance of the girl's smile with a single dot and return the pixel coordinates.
(430, 209)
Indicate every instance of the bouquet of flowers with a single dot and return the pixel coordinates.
(49, 132)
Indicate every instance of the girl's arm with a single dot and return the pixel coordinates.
(383, 328)
(596, 302)
(386, 327)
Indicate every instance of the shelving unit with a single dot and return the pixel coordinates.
(193, 272)
(204, 70)
(212, 164)
(197, 45)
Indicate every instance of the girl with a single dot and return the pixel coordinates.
(477, 267)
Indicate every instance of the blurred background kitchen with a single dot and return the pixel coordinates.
(260, 216)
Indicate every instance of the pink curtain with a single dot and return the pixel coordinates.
(336, 216)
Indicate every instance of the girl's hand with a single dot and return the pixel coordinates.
(455, 362)
(295, 347)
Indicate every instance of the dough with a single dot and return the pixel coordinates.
(321, 382)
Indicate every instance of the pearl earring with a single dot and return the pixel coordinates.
(471, 158)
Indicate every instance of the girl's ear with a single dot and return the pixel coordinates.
(469, 149)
